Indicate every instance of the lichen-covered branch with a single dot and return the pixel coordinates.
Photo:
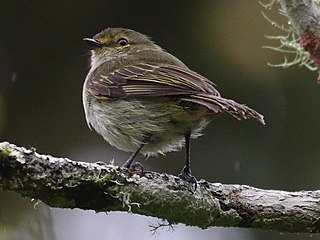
(300, 36)
(63, 183)
(304, 16)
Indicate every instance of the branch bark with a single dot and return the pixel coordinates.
(63, 183)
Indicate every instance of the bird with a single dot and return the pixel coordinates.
(142, 99)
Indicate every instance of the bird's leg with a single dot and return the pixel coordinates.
(128, 163)
(186, 171)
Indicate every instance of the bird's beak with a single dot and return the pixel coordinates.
(92, 43)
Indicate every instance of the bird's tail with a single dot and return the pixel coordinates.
(218, 104)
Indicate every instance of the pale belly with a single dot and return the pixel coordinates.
(160, 124)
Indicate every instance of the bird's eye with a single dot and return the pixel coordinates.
(123, 42)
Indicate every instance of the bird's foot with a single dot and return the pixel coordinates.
(136, 167)
(186, 176)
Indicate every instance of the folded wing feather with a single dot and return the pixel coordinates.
(158, 80)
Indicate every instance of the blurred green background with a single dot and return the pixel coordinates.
(43, 63)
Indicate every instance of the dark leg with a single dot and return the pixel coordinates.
(128, 163)
(186, 171)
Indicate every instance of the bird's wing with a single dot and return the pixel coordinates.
(156, 80)
(150, 80)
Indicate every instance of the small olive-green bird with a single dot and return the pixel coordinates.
(140, 98)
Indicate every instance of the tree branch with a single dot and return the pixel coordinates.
(63, 183)
(304, 16)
